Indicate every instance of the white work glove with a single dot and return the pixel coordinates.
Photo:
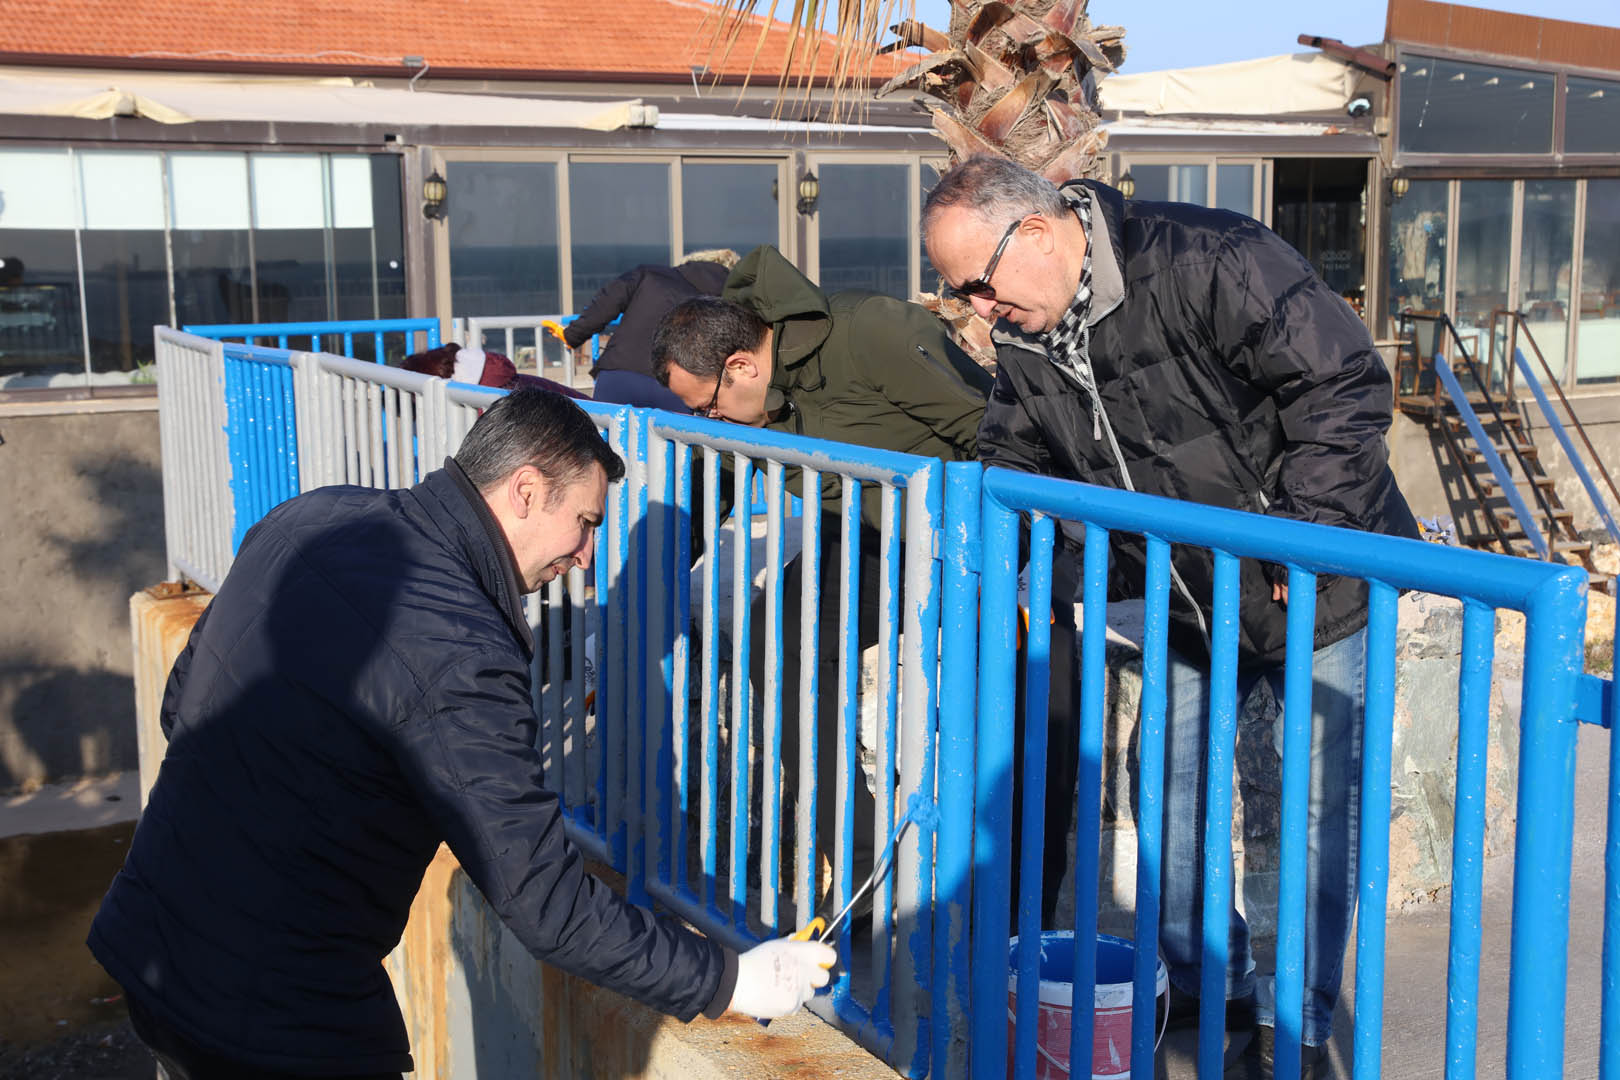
(775, 978)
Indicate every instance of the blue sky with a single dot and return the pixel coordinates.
(1185, 33)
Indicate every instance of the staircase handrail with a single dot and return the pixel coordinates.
(1442, 370)
(1557, 426)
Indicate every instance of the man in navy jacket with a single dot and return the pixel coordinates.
(357, 693)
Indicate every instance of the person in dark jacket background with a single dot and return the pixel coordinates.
(1191, 353)
(356, 693)
(639, 298)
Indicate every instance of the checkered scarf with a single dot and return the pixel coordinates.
(1068, 345)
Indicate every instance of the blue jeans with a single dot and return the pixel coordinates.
(1338, 673)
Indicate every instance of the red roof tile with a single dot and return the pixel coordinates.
(610, 39)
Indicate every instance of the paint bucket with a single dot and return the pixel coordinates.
(1111, 1010)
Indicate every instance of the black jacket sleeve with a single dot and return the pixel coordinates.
(471, 756)
(608, 304)
(1277, 325)
(1007, 436)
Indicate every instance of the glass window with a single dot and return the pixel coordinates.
(1449, 107)
(864, 219)
(1318, 206)
(927, 177)
(726, 205)
(213, 265)
(289, 238)
(1597, 338)
(619, 216)
(1417, 248)
(1234, 188)
(368, 243)
(126, 278)
(1172, 183)
(1484, 245)
(503, 238)
(1546, 258)
(1591, 116)
(40, 331)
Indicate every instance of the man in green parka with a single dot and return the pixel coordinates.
(858, 367)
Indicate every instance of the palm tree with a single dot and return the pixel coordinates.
(1014, 78)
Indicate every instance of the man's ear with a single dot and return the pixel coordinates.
(525, 491)
(1041, 233)
(742, 364)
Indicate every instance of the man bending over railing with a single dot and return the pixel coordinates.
(357, 693)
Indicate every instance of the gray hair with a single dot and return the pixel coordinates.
(995, 190)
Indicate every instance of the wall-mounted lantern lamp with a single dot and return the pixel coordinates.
(1127, 185)
(1399, 186)
(809, 192)
(435, 195)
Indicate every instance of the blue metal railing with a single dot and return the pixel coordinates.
(937, 1000)
(289, 335)
(261, 425)
(1553, 599)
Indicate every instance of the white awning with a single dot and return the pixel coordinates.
(308, 101)
(1271, 86)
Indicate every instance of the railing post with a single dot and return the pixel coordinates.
(1555, 619)
(992, 824)
(914, 878)
(962, 554)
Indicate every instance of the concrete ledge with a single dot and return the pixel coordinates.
(476, 1004)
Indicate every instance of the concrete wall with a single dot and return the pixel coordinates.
(82, 510)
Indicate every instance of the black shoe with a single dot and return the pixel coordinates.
(1240, 1012)
(1258, 1063)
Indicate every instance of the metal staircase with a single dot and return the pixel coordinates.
(1497, 486)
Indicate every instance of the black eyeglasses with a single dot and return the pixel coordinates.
(714, 400)
(980, 286)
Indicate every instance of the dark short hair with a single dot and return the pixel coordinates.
(699, 334)
(539, 428)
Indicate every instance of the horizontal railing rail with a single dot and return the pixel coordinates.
(414, 335)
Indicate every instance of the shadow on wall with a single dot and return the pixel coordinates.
(84, 533)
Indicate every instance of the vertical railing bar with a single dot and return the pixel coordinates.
(1037, 683)
(770, 812)
(1373, 847)
(1468, 838)
(848, 770)
(806, 840)
(709, 802)
(1150, 804)
(992, 798)
(1298, 705)
(1217, 846)
(886, 751)
(742, 581)
(681, 686)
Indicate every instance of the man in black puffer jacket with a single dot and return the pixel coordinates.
(357, 693)
(1191, 353)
